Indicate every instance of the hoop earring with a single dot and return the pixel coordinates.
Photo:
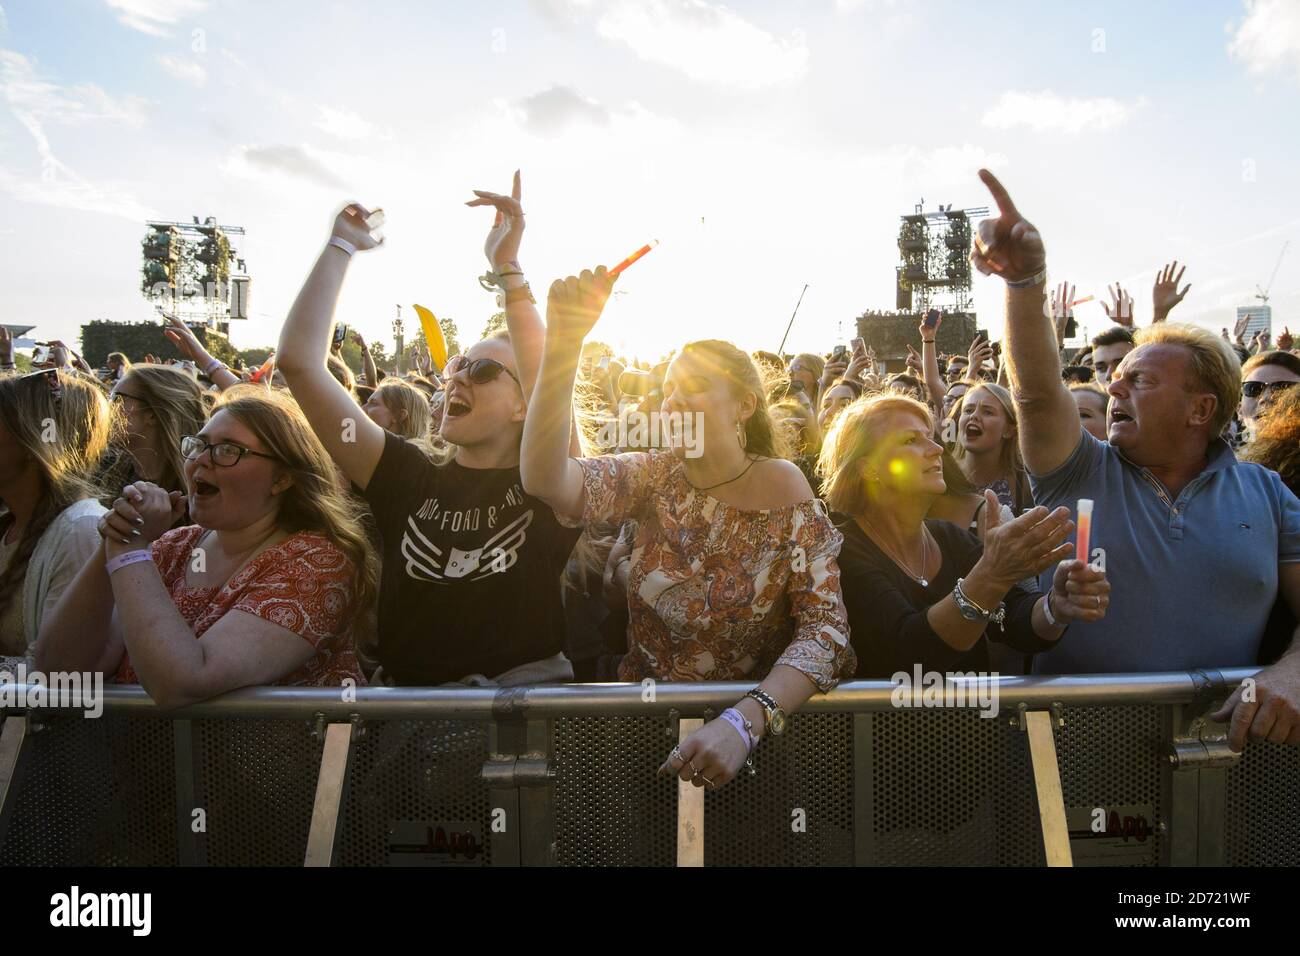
(741, 435)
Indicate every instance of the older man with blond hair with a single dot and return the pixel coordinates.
(1197, 545)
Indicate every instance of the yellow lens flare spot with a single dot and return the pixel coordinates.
(897, 467)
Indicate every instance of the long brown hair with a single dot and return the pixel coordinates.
(63, 422)
(179, 405)
(313, 502)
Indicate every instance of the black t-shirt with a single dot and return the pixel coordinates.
(887, 607)
(472, 565)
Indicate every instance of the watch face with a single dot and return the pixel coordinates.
(778, 722)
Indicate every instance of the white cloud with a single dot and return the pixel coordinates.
(550, 111)
(154, 16)
(1048, 112)
(707, 42)
(35, 102)
(187, 71)
(1269, 37)
(343, 123)
(299, 163)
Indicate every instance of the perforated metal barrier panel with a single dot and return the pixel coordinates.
(871, 787)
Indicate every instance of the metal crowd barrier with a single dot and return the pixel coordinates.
(1110, 770)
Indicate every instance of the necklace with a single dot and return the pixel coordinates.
(730, 480)
(920, 579)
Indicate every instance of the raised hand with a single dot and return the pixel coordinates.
(181, 336)
(1165, 294)
(1120, 309)
(357, 337)
(914, 361)
(502, 244)
(574, 304)
(1062, 310)
(857, 366)
(350, 225)
(1239, 329)
(1009, 245)
(142, 515)
(980, 352)
(1025, 546)
(1284, 341)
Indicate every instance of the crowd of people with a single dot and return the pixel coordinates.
(195, 528)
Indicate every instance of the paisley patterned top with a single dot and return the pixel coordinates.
(717, 593)
(305, 584)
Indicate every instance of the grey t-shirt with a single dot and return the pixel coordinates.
(1192, 579)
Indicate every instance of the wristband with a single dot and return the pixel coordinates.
(1047, 611)
(743, 727)
(1033, 280)
(128, 557)
(212, 366)
(342, 244)
(518, 294)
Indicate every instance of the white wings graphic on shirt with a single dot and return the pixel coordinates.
(499, 553)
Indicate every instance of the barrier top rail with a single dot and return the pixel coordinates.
(631, 700)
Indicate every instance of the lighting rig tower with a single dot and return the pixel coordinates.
(188, 271)
(934, 253)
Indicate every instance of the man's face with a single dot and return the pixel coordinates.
(1151, 408)
(1106, 357)
(956, 370)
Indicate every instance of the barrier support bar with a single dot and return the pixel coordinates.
(13, 739)
(690, 808)
(1047, 782)
(330, 786)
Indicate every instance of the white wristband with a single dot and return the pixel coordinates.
(343, 244)
(1047, 611)
(127, 557)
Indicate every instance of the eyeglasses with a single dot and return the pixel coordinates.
(481, 371)
(226, 454)
(1256, 389)
(117, 395)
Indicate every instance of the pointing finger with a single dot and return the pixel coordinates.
(1005, 206)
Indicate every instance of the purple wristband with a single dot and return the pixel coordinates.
(212, 366)
(737, 720)
(127, 557)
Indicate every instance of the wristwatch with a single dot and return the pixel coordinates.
(973, 612)
(774, 716)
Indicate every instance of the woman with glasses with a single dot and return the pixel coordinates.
(54, 429)
(263, 588)
(1265, 377)
(732, 574)
(153, 407)
(472, 565)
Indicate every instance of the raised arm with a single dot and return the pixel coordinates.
(1165, 294)
(545, 464)
(1011, 247)
(352, 439)
(367, 360)
(188, 343)
(934, 383)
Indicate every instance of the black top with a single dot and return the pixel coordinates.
(471, 580)
(887, 607)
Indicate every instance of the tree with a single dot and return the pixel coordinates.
(449, 334)
(377, 353)
(253, 358)
(497, 323)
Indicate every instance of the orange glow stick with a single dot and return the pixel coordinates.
(634, 257)
(1085, 530)
(1086, 298)
(265, 367)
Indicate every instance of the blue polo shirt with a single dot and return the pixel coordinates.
(1192, 578)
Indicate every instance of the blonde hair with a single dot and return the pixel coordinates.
(1212, 365)
(762, 436)
(1009, 460)
(401, 397)
(66, 434)
(180, 406)
(857, 435)
(313, 502)
(816, 364)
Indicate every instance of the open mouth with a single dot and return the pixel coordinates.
(1117, 416)
(973, 431)
(457, 407)
(205, 489)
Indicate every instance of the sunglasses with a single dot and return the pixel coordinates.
(481, 371)
(1256, 389)
(225, 454)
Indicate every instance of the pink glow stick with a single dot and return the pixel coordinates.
(633, 257)
(1085, 530)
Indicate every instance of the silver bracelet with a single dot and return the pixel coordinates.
(973, 612)
(342, 244)
(1033, 280)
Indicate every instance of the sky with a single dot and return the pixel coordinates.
(766, 145)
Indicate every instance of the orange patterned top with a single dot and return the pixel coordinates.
(305, 584)
(717, 593)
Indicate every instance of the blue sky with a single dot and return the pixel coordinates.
(766, 144)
